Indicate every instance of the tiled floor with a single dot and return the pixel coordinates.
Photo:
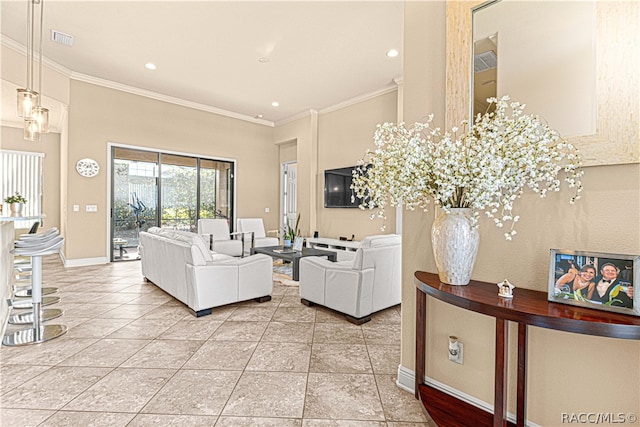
(134, 356)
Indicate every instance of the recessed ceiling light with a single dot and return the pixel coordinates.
(150, 66)
(392, 53)
(263, 59)
(258, 116)
(275, 103)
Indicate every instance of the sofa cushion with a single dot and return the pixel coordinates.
(200, 253)
(216, 257)
(200, 247)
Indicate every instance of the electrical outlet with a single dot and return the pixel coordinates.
(455, 350)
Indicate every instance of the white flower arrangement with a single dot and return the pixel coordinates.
(485, 169)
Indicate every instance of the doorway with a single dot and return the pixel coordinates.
(288, 197)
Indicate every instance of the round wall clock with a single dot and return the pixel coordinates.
(87, 167)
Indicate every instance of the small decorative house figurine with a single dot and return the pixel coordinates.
(505, 289)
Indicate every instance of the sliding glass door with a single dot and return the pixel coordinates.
(134, 196)
(181, 188)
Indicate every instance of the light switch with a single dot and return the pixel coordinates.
(76, 208)
(266, 210)
(91, 208)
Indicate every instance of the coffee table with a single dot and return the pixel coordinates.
(280, 252)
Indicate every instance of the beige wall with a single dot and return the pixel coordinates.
(100, 115)
(327, 141)
(423, 93)
(344, 136)
(13, 139)
(288, 151)
(567, 372)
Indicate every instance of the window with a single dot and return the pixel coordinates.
(22, 172)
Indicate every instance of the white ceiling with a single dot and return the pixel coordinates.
(207, 52)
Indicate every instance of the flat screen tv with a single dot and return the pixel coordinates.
(337, 188)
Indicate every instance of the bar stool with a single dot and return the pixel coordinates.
(38, 333)
(28, 240)
(25, 261)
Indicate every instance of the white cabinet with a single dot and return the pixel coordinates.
(345, 249)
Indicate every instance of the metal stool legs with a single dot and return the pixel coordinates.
(38, 333)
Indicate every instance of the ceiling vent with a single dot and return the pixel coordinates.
(62, 38)
(485, 61)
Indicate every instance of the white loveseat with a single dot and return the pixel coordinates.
(179, 263)
(370, 282)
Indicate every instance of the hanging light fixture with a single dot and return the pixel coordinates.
(27, 97)
(31, 130)
(36, 117)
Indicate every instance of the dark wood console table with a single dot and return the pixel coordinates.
(528, 307)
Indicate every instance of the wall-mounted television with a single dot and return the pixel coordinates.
(337, 188)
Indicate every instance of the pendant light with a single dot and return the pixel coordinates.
(27, 97)
(29, 101)
(31, 130)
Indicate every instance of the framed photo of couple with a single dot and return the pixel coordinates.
(595, 280)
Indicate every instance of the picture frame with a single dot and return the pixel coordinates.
(297, 244)
(582, 278)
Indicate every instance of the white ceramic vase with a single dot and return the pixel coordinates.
(16, 208)
(455, 245)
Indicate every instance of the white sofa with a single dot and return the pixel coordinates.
(179, 263)
(370, 282)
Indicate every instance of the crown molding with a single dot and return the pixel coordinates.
(344, 104)
(359, 99)
(12, 123)
(14, 45)
(300, 115)
(165, 98)
(19, 124)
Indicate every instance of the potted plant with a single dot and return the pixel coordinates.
(16, 202)
(290, 233)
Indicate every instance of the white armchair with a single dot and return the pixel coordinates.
(258, 236)
(216, 231)
(370, 282)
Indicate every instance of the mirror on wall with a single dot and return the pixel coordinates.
(485, 74)
(546, 54)
(574, 64)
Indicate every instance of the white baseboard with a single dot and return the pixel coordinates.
(82, 262)
(406, 381)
